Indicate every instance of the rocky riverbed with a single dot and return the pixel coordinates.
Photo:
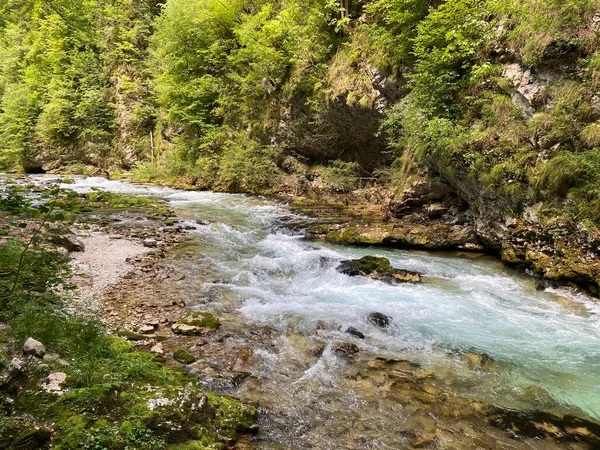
(340, 347)
(321, 383)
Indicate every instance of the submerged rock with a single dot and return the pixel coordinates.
(354, 332)
(243, 362)
(326, 325)
(345, 348)
(377, 268)
(380, 320)
(33, 347)
(316, 348)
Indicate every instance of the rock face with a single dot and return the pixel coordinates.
(33, 347)
(194, 323)
(378, 269)
(67, 241)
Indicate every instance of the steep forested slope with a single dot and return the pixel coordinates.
(498, 97)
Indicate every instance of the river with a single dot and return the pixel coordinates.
(543, 346)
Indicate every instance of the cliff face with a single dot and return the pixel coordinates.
(497, 100)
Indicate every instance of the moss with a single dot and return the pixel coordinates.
(184, 356)
(232, 416)
(199, 319)
(370, 264)
(352, 236)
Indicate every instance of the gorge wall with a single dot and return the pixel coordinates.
(496, 99)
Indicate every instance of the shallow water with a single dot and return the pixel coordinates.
(545, 344)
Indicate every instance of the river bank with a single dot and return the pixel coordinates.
(67, 381)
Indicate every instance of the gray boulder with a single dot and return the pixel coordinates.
(33, 347)
(67, 241)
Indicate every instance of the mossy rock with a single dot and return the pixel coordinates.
(366, 265)
(19, 435)
(130, 335)
(194, 323)
(200, 319)
(184, 357)
(377, 268)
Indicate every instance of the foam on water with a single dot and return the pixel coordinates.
(536, 337)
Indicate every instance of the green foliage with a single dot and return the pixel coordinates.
(392, 26)
(342, 176)
(546, 29)
(246, 166)
(445, 48)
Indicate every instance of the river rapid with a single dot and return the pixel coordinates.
(246, 259)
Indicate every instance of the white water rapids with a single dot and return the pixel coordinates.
(546, 343)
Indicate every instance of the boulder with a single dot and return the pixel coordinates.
(176, 414)
(67, 241)
(379, 269)
(54, 382)
(380, 320)
(33, 347)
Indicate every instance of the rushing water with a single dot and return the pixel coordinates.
(546, 344)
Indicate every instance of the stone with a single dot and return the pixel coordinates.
(50, 357)
(242, 362)
(354, 332)
(380, 320)
(16, 365)
(345, 348)
(158, 349)
(33, 347)
(146, 329)
(150, 243)
(189, 330)
(184, 357)
(194, 323)
(67, 241)
(54, 382)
